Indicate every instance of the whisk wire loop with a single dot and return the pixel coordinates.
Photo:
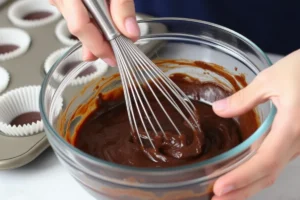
(153, 71)
(137, 72)
(129, 77)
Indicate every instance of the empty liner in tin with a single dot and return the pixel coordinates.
(4, 79)
(13, 43)
(32, 13)
(19, 111)
(96, 68)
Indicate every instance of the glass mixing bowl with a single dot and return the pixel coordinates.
(167, 38)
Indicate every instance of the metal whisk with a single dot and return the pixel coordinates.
(138, 73)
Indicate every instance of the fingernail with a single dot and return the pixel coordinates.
(109, 61)
(220, 105)
(132, 27)
(227, 190)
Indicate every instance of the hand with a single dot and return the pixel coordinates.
(281, 84)
(83, 27)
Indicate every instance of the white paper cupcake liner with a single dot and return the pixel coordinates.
(4, 79)
(100, 66)
(63, 34)
(16, 102)
(14, 36)
(20, 8)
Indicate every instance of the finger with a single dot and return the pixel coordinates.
(52, 2)
(80, 25)
(270, 158)
(243, 100)
(87, 54)
(296, 155)
(123, 14)
(246, 192)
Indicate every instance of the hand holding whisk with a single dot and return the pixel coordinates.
(141, 80)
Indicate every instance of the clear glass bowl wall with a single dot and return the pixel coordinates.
(174, 39)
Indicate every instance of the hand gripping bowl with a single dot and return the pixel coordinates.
(178, 39)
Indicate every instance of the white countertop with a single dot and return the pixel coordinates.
(46, 179)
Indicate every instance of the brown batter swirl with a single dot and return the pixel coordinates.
(106, 132)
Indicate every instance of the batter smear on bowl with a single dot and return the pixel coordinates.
(106, 132)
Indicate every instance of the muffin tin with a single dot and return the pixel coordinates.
(28, 70)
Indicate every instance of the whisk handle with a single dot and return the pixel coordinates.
(100, 12)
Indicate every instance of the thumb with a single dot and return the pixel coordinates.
(123, 14)
(241, 101)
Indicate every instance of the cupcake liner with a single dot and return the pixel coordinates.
(99, 65)
(20, 8)
(14, 36)
(16, 102)
(53, 57)
(21, 101)
(63, 34)
(4, 79)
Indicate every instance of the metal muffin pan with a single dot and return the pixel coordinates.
(28, 69)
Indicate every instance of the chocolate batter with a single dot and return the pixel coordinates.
(106, 133)
(73, 37)
(71, 65)
(7, 48)
(26, 118)
(37, 15)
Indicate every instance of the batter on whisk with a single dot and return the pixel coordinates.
(107, 134)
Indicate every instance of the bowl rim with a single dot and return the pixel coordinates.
(159, 171)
